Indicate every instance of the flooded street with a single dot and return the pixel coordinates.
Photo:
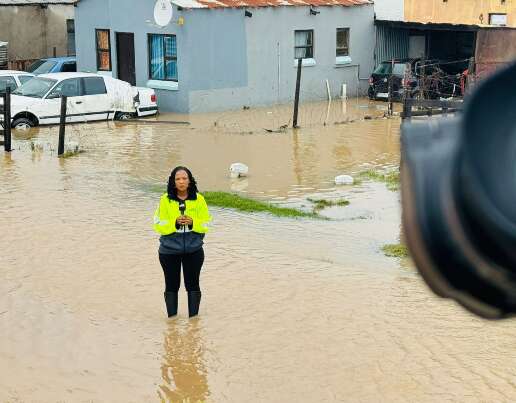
(293, 310)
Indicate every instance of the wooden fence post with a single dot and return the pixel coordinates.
(62, 126)
(296, 99)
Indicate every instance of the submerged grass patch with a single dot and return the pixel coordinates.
(69, 154)
(391, 179)
(320, 204)
(232, 200)
(395, 250)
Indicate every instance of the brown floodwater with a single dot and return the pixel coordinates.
(293, 310)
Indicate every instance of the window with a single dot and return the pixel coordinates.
(103, 49)
(399, 69)
(35, 88)
(7, 82)
(69, 67)
(498, 19)
(41, 66)
(94, 86)
(342, 42)
(383, 68)
(35, 65)
(69, 88)
(387, 68)
(162, 57)
(70, 30)
(304, 44)
(24, 79)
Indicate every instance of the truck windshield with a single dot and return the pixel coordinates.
(41, 67)
(35, 88)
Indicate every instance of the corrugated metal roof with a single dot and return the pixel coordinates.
(33, 2)
(427, 25)
(265, 3)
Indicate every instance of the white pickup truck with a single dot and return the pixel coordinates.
(90, 97)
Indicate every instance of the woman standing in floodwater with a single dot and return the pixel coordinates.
(181, 219)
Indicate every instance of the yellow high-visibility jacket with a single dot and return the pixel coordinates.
(175, 240)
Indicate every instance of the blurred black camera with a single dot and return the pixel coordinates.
(458, 180)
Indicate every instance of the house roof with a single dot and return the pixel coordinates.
(35, 2)
(428, 26)
(265, 3)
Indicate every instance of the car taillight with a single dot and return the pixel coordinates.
(153, 98)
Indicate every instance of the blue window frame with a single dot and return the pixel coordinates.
(162, 57)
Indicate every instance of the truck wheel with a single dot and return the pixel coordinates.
(22, 124)
(124, 116)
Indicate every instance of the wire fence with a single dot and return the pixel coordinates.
(318, 107)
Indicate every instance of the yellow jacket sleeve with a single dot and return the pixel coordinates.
(164, 221)
(202, 216)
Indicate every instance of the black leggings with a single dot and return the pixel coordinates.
(192, 264)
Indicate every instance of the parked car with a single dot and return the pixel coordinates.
(53, 65)
(13, 79)
(90, 97)
(401, 74)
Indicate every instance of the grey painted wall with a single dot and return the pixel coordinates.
(271, 73)
(226, 61)
(33, 32)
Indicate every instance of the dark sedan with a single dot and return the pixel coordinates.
(398, 72)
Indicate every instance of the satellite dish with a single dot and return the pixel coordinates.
(163, 12)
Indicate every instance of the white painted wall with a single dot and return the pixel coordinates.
(391, 10)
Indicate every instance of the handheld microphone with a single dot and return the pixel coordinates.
(182, 208)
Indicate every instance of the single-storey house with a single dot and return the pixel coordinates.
(226, 54)
(36, 29)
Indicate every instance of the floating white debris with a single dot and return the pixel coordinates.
(238, 170)
(344, 180)
(239, 185)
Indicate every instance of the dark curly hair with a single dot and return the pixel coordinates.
(171, 188)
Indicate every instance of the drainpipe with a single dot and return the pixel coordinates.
(279, 73)
(44, 19)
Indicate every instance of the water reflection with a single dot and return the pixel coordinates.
(26, 134)
(8, 160)
(239, 184)
(182, 370)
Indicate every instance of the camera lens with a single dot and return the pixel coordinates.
(488, 165)
(459, 199)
